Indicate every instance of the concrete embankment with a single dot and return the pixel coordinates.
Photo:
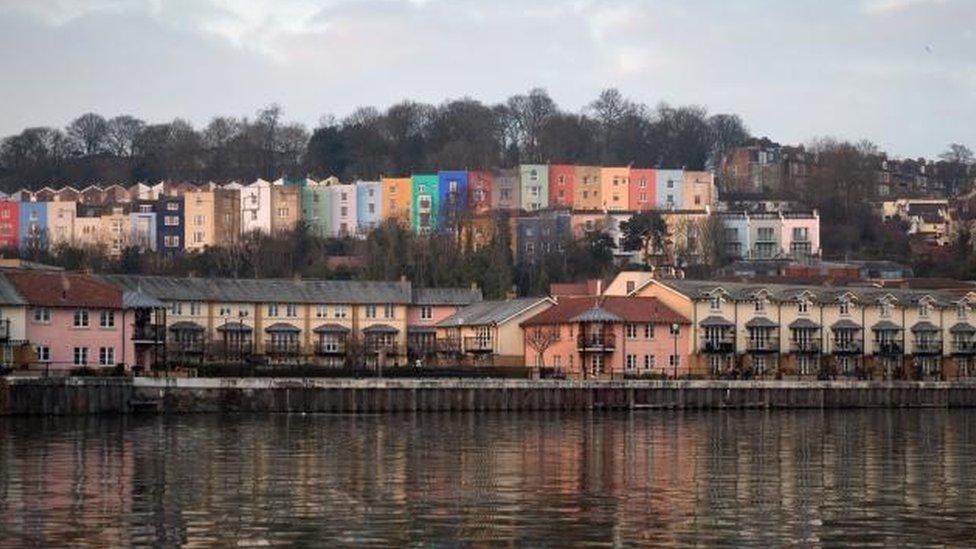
(191, 395)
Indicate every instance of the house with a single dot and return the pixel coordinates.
(9, 224)
(534, 186)
(343, 200)
(285, 207)
(33, 225)
(562, 186)
(428, 307)
(452, 190)
(199, 229)
(643, 193)
(669, 189)
(317, 207)
(479, 192)
(255, 206)
(506, 193)
(61, 222)
(699, 190)
(488, 332)
(13, 324)
(425, 208)
(170, 224)
(615, 188)
(536, 235)
(114, 229)
(589, 191)
(143, 225)
(608, 337)
(369, 203)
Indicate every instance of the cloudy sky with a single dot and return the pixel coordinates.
(901, 73)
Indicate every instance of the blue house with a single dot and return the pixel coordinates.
(669, 188)
(169, 224)
(32, 233)
(452, 191)
(369, 205)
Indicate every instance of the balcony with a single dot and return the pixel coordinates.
(846, 347)
(449, 345)
(718, 346)
(763, 345)
(928, 347)
(282, 348)
(805, 346)
(149, 333)
(230, 348)
(600, 343)
(376, 346)
(177, 348)
(478, 344)
(888, 348)
(964, 347)
(330, 348)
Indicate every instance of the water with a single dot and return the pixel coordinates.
(743, 478)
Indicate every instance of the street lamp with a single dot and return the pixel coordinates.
(675, 330)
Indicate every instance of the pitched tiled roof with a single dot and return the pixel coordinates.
(446, 296)
(490, 312)
(64, 290)
(627, 309)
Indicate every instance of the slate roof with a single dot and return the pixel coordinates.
(241, 290)
(925, 326)
(446, 296)
(886, 325)
(761, 322)
(962, 327)
(134, 299)
(330, 328)
(845, 324)
(804, 324)
(490, 312)
(186, 326)
(380, 329)
(8, 294)
(234, 327)
(281, 327)
(715, 320)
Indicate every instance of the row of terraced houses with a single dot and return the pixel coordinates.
(634, 326)
(545, 203)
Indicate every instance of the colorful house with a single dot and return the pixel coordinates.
(198, 212)
(534, 185)
(537, 235)
(488, 332)
(397, 199)
(428, 307)
(255, 207)
(506, 194)
(668, 189)
(452, 191)
(479, 192)
(369, 205)
(142, 220)
(9, 224)
(615, 188)
(589, 192)
(643, 195)
(562, 185)
(317, 206)
(343, 218)
(227, 216)
(61, 222)
(170, 224)
(698, 190)
(426, 203)
(33, 225)
(608, 338)
(285, 207)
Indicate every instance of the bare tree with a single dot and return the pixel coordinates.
(540, 339)
(90, 131)
(121, 134)
(959, 154)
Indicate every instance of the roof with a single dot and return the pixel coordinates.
(621, 308)
(925, 326)
(281, 327)
(234, 327)
(804, 324)
(491, 312)
(446, 296)
(186, 326)
(8, 294)
(886, 325)
(61, 289)
(962, 327)
(716, 321)
(761, 322)
(269, 290)
(134, 299)
(380, 329)
(331, 329)
(744, 291)
(845, 324)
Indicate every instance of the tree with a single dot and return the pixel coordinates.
(121, 134)
(958, 154)
(90, 131)
(540, 339)
(645, 232)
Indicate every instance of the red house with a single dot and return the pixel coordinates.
(479, 192)
(642, 189)
(9, 223)
(562, 185)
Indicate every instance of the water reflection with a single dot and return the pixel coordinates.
(662, 478)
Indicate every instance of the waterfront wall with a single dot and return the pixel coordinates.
(192, 395)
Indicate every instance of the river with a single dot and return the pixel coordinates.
(743, 478)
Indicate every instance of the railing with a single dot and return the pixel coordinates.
(230, 348)
(888, 348)
(718, 345)
(184, 347)
(846, 346)
(928, 347)
(282, 348)
(419, 349)
(963, 347)
(805, 345)
(596, 342)
(330, 348)
(477, 344)
(155, 333)
(450, 345)
(763, 345)
(375, 346)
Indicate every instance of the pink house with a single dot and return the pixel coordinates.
(642, 189)
(428, 307)
(74, 320)
(608, 337)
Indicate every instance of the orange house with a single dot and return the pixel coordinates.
(615, 188)
(697, 190)
(562, 184)
(642, 189)
(588, 195)
(396, 198)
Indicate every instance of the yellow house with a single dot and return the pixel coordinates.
(198, 220)
(114, 230)
(698, 190)
(588, 192)
(61, 222)
(396, 198)
(489, 332)
(615, 188)
(87, 231)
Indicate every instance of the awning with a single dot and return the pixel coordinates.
(281, 328)
(845, 324)
(421, 330)
(238, 327)
(804, 324)
(761, 322)
(380, 329)
(331, 329)
(962, 328)
(185, 326)
(886, 326)
(717, 321)
(925, 326)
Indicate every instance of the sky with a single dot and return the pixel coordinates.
(900, 73)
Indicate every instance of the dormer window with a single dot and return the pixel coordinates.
(962, 310)
(885, 309)
(715, 303)
(760, 305)
(802, 306)
(923, 309)
(845, 308)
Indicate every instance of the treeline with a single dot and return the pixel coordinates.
(406, 137)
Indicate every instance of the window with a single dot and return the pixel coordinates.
(198, 237)
(171, 220)
(224, 311)
(923, 309)
(42, 315)
(962, 311)
(81, 318)
(106, 319)
(321, 311)
(339, 312)
(81, 356)
(195, 308)
(674, 361)
(198, 220)
(371, 311)
(885, 309)
(388, 310)
(43, 353)
(631, 362)
(648, 362)
(760, 305)
(291, 310)
(171, 241)
(343, 211)
(648, 331)
(845, 308)
(631, 331)
(272, 309)
(426, 312)
(631, 286)
(173, 206)
(715, 303)
(176, 308)
(283, 212)
(802, 306)
(805, 365)
(106, 356)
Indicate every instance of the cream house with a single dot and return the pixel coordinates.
(489, 332)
